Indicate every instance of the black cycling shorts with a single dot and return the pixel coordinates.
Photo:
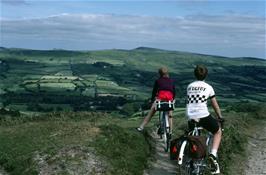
(209, 123)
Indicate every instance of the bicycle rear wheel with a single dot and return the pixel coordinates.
(166, 130)
(191, 166)
(166, 140)
(186, 167)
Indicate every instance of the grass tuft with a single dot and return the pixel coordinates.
(125, 149)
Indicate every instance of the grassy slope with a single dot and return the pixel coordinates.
(243, 119)
(24, 139)
(120, 149)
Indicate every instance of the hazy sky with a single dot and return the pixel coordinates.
(228, 28)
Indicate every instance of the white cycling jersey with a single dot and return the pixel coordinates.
(198, 92)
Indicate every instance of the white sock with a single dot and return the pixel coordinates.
(214, 152)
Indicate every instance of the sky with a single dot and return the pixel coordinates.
(232, 28)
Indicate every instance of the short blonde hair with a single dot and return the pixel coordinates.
(163, 71)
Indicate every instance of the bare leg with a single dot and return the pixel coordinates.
(148, 117)
(216, 140)
(171, 121)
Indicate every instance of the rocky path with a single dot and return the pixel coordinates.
(256, 162)
(2, 171)
(162, 165)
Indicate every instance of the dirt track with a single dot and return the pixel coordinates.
(2, 172)
(162, 165)
(256, 162)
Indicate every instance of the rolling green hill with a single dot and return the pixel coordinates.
(109, 80)
(112, 81)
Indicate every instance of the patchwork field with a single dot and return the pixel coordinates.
(110, 79)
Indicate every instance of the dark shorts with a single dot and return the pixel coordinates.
(209, 123)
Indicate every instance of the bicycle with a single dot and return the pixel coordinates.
(164, 128)
(194, 166)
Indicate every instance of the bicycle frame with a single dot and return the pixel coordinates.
(164, 107)
(197, 164)
(164, 120)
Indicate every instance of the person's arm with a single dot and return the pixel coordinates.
(154, 91)
(216, 107)
(174, 90)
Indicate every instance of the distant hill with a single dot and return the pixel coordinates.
(2, 48)
(38, 80)
(148, 49)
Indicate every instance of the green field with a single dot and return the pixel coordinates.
(125, 76)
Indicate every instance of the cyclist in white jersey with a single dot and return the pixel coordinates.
(198, 92)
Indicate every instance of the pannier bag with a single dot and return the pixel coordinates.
(164, 105)
(175, 146)
(197, 146)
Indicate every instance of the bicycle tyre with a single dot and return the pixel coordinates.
(185, 168)
(191, 166)
(166, 141)
(166, 135)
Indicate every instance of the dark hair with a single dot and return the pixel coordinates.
(200, 72)
(163, 71)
